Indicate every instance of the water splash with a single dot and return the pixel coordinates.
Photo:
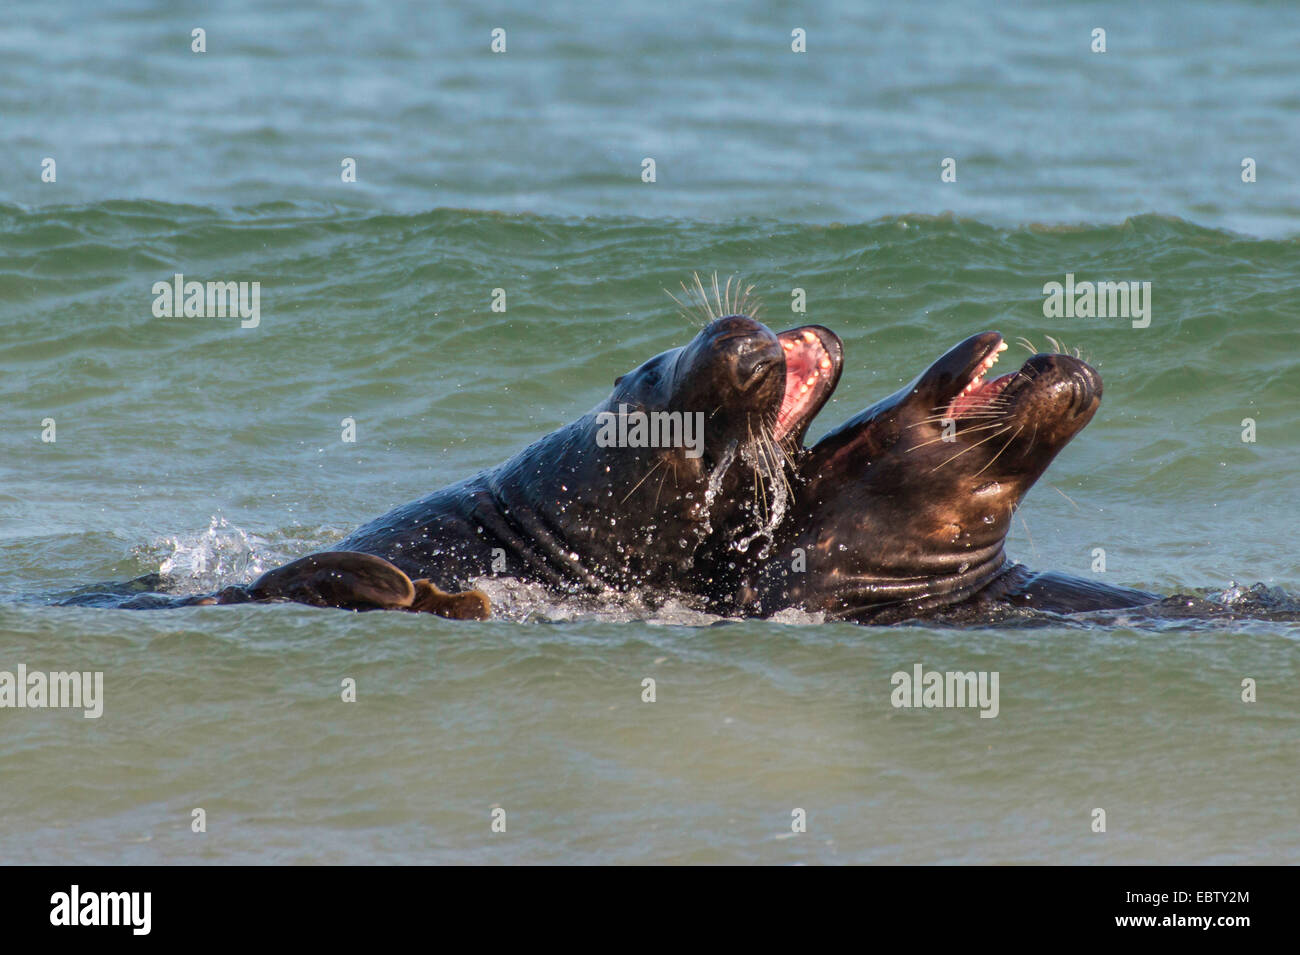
(222, 555)
(526, 602)
(776, 506)
(768, 465)
(715, 483)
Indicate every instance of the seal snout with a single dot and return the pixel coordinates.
(747, 347)
(1072, 379)
(753, 357)
(734, 354)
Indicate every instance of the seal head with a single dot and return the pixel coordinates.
(906, 506)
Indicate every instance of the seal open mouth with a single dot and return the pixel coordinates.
(978, 394)
(814, 359)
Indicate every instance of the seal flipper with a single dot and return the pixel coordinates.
(1062, 593)
(355, 581)
(466, 605)
(347, 579)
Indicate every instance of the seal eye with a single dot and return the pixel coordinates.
(619, 380)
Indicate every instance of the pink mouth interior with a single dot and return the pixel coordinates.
(978, 393)
(808, 372)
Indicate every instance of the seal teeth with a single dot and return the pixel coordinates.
(808, 371)
(978, 378)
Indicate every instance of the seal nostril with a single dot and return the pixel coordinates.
(752, 363)
(1084, 389)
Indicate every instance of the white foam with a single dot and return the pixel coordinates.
(523, 601)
